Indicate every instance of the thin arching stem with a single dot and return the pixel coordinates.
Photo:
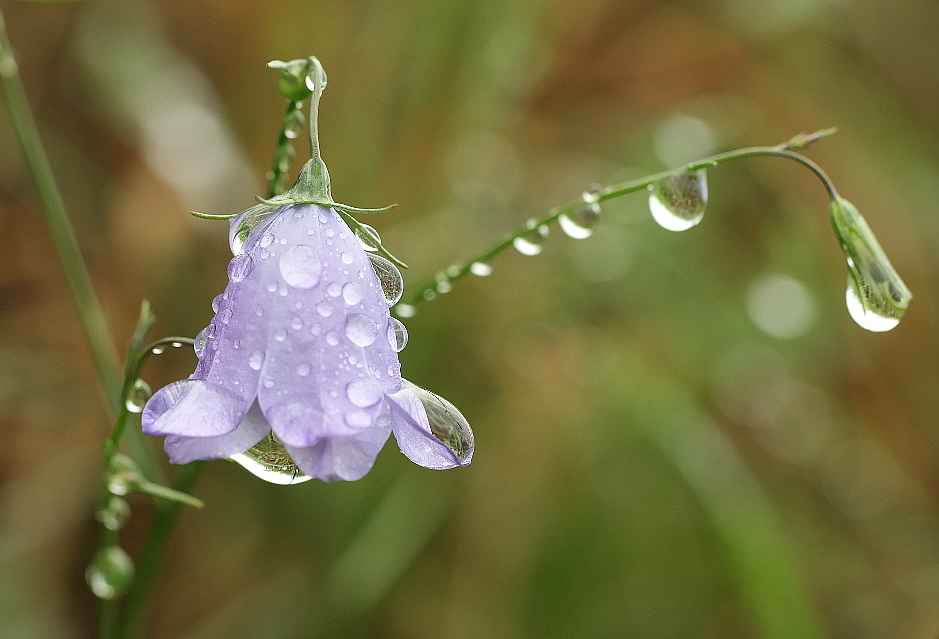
(456, 271)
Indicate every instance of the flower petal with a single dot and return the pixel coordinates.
(412, 432)
(192, 408)
(341, 458)
(250, 431)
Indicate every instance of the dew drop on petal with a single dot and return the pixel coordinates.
(255, 360)
(280, 334)
(138, 396)
(346, 257)
(199, 344)
(269, 382)
(363, 393)
(316, 329)
(266, 240)
(352, 293)
(334, 289)
(271, 287)
(303, 369)
(361, 329)
(226, 315)
(297, 323)
(359, 419)
(331, 338)
(677, 202)
(392, 284)
(239, 267)
(324, 308)
(397, 335)
(300, 266)
(216, 303)
(480, 269)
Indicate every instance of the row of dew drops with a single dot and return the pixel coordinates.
(676, 202)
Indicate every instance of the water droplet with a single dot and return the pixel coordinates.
(316, 329)
(405, 310)
(363, 393)
(176, 344)
(259, 310)
(216, 303)
(446, 422)
(868, 317)
(159, 349)
(269, 382)
(352, 293)
(368, 237)
(330, 232)
(280, 334)
(331, 338)
(226, 315)
(300, 266)
(579, 224)
(361, 329)
(270, 461)
(138, 396)
(255, 360)
(297, 323)
(481, 269)
(677, 202)
(294, 125)
(334, 289)
(202, 339)
(303, 369)
(271, 287)
(266, 240)
(115, 513)
(397, 335)
(324, 308)
(392, 284)
(530, 244)
(239, 267)
(110, 573)
(346, 257)
(359, 419)
(444, 287)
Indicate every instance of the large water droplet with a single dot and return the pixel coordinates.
(397, 335)
(392, 284)
(239, 267)
(300, 266)
(138, 397)
(110, 573)
(303, 369)
(363, 393)
(677, 202)
(446, 422)
(869, 317)
(352, 293)
(216, 303)
(361, 330)
(255, 360)
(580, 222)
(368, 237)
(270, 461)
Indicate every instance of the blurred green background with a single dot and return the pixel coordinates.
(678, 435)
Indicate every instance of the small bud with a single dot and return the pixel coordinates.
(292, 82)
(876, 296)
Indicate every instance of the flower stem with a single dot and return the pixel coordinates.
(458, 270)
(283, 150)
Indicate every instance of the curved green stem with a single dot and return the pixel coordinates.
(458, 270)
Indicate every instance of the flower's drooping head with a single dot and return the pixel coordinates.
(300, 364)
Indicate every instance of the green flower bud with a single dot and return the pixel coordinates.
(877, 298)
(293, 78)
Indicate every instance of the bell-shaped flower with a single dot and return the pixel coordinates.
(299, 367)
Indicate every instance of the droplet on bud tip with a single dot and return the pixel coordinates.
(138, 396)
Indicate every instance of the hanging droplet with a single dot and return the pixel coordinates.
(392, 284)
(217, 303)
(294, 125)
(446, 422)
(138, 396)
(368, 237)
(876, 296)
(530, 244)
(110, 573)
(579, 224)
(397, 335)
(201, 341)
(481, 269)
(159, 349)
(269, 460)
(114, 514)
(677, 202)
(361, 329)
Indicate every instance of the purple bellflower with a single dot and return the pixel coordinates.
(298, 372)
